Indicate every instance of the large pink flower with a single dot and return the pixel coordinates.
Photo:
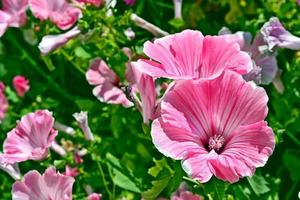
(190, 55)
(50, 185)
(3, 102)
(216, 127)
(107, 84)
(31, 138)
(60, 12)
(21, 85)
(13, 14)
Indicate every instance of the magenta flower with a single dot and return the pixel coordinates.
(182, 193)
(60, 12)
(129, 2)
(94, 196)
(107, 84)
(21, 85)
(96, 3)
(73, 172)
(275, 35)
(31, 138)
(145, 86)
(216, 127)
(3, 102)
(50, 43)
(13, 14)
(190, 55)
(50, 185)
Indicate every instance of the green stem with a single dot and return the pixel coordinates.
(70, 60)
(293, 138)
(103, 179)
(27, 56)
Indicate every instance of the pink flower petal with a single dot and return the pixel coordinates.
(21, 85)
(96, 3)
(106, 82)
(3, 102)
(31, 138)
(50, 185)
(94, 196)
(60, 12)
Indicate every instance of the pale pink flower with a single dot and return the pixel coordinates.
(96, 3)
(82, 120)
(216, 127)
(31, 138)
(50, 43)
(71, 171)
(13, 14)
(144, 84)
(12, 169)
(107, 84)
(60, 12)
(21, 85)
(129, 2)
(190, 55)
(50, 185)
(182, 193)
(3, 102)
(177, 8)
(94, 196)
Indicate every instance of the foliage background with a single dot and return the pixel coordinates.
(123, 157)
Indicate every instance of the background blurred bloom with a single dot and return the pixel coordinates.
(216, 127)
(3, 101)
(276, 35)
(50, 185)
(107, 84)
(93, 2)
(71, 171)
(50, 43)
(13, 14)
(94, 196)
(129, 2)
(190, 55)
(182, 193)
(60, 12)
(21, 85)
(31, 138)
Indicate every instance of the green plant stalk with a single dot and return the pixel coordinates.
(103, 179)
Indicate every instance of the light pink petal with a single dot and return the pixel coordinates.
(179, 55)
(4, 20)
(3, 104)
(96, 3)
(94, 196)
(171, 147)
(60, 12)
(186, 195)
(219, 54)
(31, 138)
(50, 43)
(50, 185)
(16, 9)
(146, 87)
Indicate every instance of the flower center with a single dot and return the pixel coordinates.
(216, 142)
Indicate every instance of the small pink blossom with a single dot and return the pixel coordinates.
(50, 185)
(31, 139)
(60, 12)
(129, 2)
(12, 169)
(182, 193)
(50, 43)
(94, 196)
(3, 102)
(82, 120)
(190, 55)
(21, 85)
(71, 171)
(216, 127)
(107, 84)
(96, 3)
(13, 14)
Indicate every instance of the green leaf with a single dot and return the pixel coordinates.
(242, 193)
(258, 184)
(292, 163)
(159, 166)
(124, 182)
(215, 189)
(81, 53)
(157, 188)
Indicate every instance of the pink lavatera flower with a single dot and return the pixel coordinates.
(94, 196)
(13, 14)
(21, 85)
(145, 86)
(190, 55)
(50, 185)
(60, 12)
(31, 138)
(3, 102)
(71, 171)
(216, 127)
(96, 3)
(106, 84)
